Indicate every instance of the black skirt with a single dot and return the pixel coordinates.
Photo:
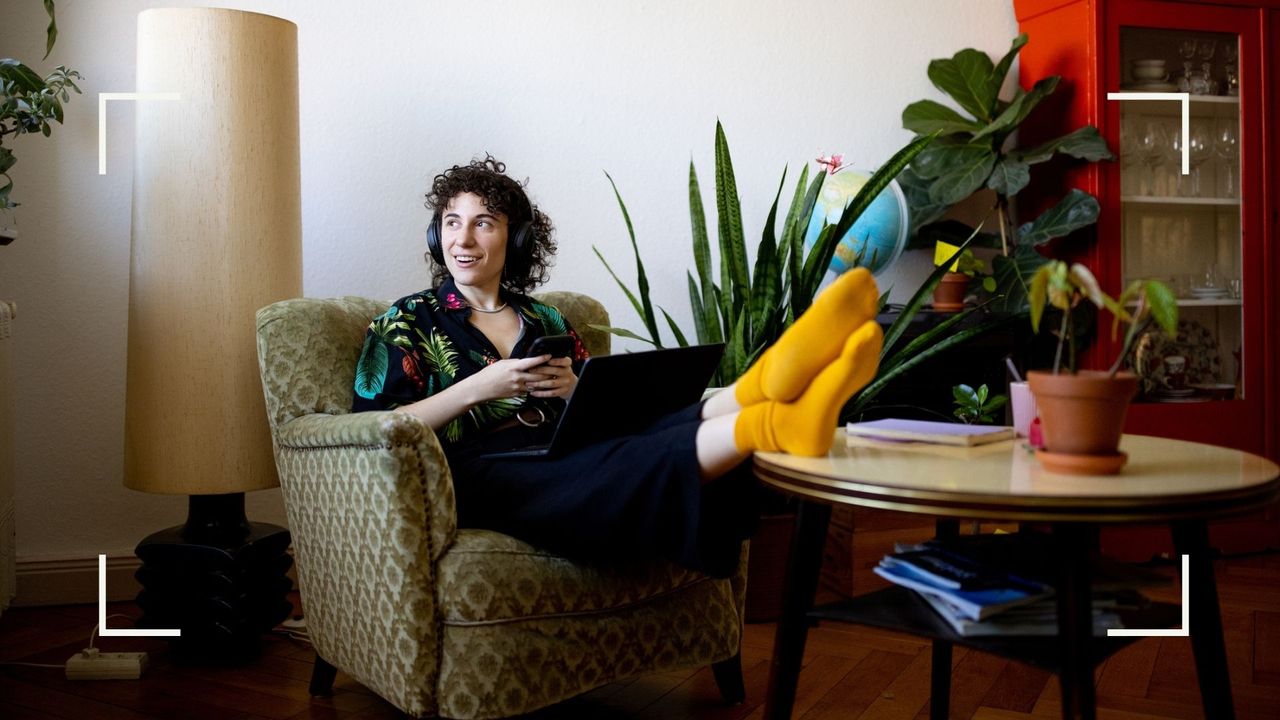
(621, 499)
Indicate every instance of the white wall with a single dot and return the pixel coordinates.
(391, 92)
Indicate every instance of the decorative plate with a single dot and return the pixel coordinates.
(1195, 342)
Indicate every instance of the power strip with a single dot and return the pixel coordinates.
(90, 664)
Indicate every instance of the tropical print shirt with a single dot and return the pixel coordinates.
(424, 343)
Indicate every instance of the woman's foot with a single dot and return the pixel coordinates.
(815, 339)
(807, 425)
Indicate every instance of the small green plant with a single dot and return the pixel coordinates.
(28, 103)
(974, 406)
(1064, 287)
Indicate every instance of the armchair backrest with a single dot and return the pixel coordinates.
(308, 348)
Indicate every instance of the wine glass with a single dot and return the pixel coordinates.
(1226, 144)
(1229, 54)
(1151, 145)
(1129, 149)
(1173, 158)
(1204, 49)
(1187, 49)
(1200, 144)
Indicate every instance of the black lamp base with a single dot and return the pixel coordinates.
(220, 579)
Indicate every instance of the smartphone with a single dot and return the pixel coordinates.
(557, 346)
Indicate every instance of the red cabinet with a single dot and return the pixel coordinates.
(1210, 233)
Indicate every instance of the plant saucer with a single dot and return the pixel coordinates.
(1068, 464)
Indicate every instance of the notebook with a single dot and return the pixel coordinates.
(940, 433)
(623, 394)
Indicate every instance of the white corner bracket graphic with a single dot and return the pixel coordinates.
(1183, 631)
(124, 633)
(1184, 98)
(102, 118)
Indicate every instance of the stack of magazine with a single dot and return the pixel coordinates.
(977, 597)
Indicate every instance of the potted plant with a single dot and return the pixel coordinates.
(954, 287)
(27, 105)
(976, 151)
(976, 406)
(1082, 412)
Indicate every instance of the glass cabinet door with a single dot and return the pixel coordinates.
(1185, 229)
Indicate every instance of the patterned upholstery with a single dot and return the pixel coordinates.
(441, 621)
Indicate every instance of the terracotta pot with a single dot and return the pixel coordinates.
(1083, 414)
(949, 295)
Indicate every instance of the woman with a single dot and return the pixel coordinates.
(454, 357)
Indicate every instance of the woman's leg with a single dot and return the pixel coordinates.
(717, 451)
(722, 403)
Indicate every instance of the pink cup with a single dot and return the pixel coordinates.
(1023, 404)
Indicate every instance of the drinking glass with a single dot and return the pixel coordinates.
(1204, 49)
(1229, 54)
(1129, 149)
(1187, 49)
(1200, 144)
(1226, 143)
(1151, 145)
(1173, 158)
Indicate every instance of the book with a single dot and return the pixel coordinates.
(969, 604)
(1035, 619)
(930, 432)
(956, 572)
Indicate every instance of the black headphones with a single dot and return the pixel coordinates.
(520, 241)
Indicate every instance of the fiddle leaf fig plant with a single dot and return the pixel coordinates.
(975, 149)
(29, 103)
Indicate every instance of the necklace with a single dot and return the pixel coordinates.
(498, 309)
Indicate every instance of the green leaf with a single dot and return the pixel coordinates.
(922, 209)
(1002, 68)
(634, 302)
(7, 160)
(701, 246)
(966, 78)
(766, 287)
(23, 77)
(1078, 209)
(733, 248)
(1012, 277)
(675, 329)
(1009, 177)
(1039, 295)
(1084, 143)
(623, 332)
(966, 168)
(705, 321)
(52, 32)
(1020, 108)
(927, 338)
(927, 116)
(642, 282)
(1164, 306)
(795, 257)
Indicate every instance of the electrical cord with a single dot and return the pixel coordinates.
(93, 634)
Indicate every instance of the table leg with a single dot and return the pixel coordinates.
(1073, 543)
(940, 662)
(1191, 537)
(793, 626)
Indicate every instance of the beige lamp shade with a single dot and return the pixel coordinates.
(217, 234)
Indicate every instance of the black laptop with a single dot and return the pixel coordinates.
(623, 394)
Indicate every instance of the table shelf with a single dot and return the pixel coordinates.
(902, 610)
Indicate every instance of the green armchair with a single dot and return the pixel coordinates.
(442, 621)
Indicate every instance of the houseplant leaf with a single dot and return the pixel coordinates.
(733, 248)
(1009, 176)
(675, 329)
(1001, 68)
(965, 169)
(1011, 277)
(767, 279)
(1078, 209)
(966, 78)
(927, 116)
(1021, 106)
(634, 302)
(1084, 143)
(701, 246)
(642, 282)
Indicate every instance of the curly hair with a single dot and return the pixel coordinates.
(501, 195)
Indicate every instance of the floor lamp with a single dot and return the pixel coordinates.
(217, 234)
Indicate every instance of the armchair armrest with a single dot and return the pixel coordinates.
(371, 508)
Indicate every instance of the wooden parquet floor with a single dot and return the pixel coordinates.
(850, 673)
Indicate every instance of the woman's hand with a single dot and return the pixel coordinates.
(506, 378)
(556, 379)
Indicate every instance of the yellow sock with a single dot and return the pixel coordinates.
(807, 425)
(784, 370)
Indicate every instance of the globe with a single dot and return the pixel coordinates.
(878, 236)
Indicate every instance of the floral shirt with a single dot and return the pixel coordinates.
(424, 343)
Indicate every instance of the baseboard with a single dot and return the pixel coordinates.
(74, 581)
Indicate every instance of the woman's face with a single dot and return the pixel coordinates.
(474, 241)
